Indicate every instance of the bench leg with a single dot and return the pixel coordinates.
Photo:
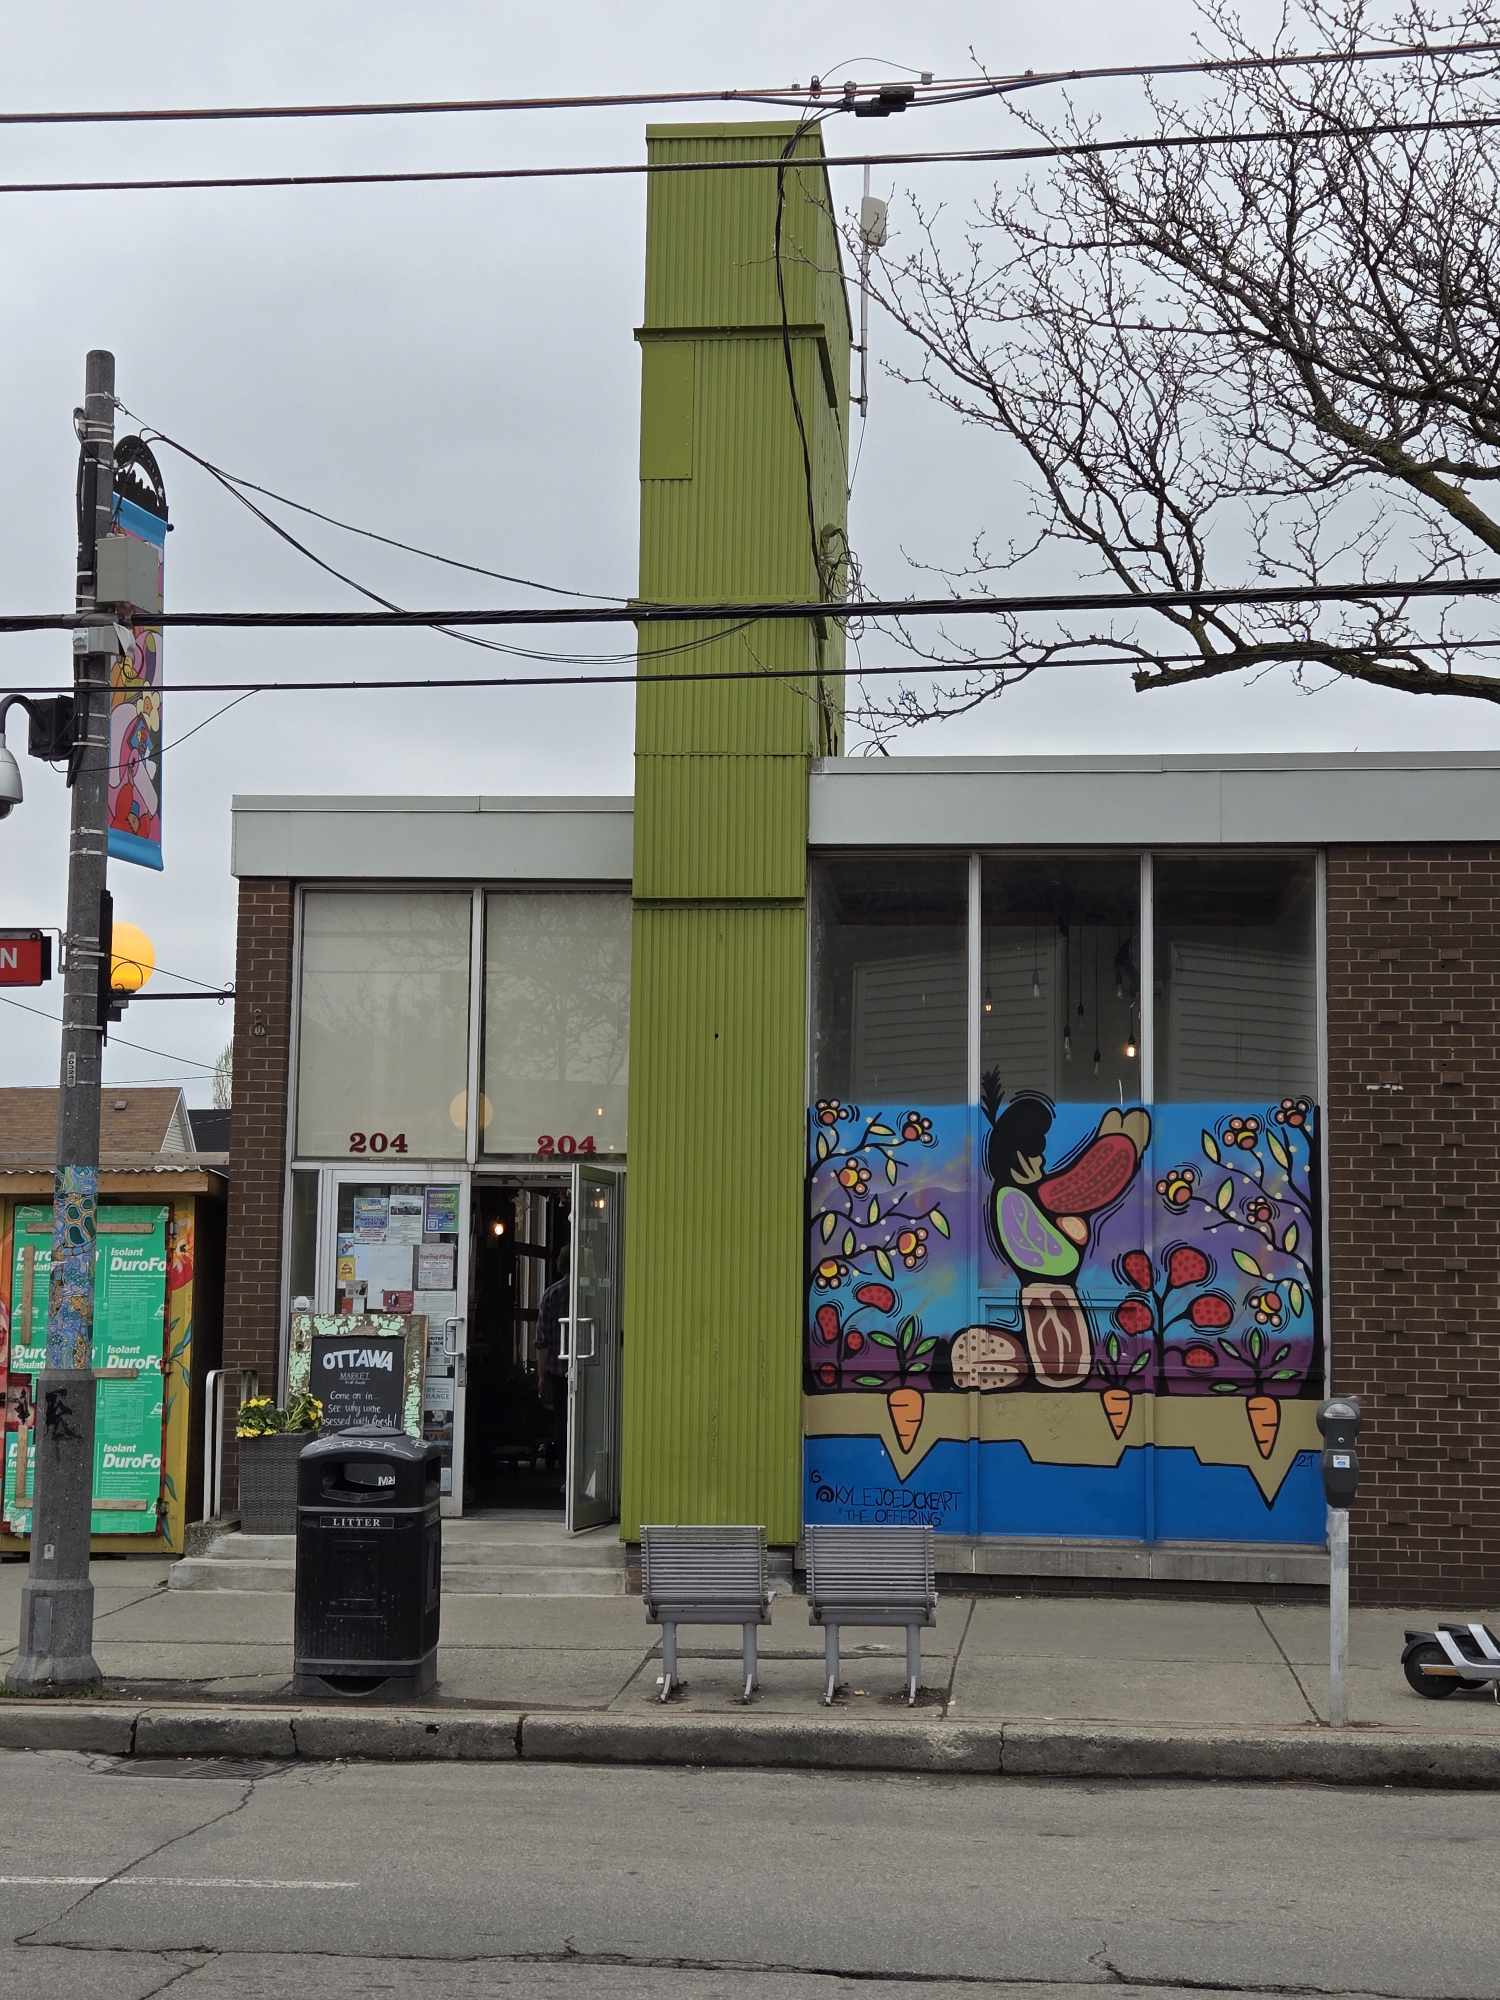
(913, 1663)
(752, 1667)
(668, 1659)
(830, 1663)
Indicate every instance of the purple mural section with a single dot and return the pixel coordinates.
(1064, 1319)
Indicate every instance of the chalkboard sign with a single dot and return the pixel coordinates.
(360, 1379)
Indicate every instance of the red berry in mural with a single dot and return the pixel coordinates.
(828, 1374)
(1211, 1309)
(881, 1297)
(1133, 1316)
(1199, 1357)
(854, 1342)
(1137, 1267)
(826, 1320)
(1186, 1266)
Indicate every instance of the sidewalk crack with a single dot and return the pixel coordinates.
(957, 1656)
(1287, 1663)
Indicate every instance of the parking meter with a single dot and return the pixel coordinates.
(1338, 1420)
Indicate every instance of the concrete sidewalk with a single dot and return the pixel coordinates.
(1072, 1667)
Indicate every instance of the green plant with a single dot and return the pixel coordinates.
(259, 1417)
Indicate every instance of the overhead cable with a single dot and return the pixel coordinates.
(796, 96)
(168, 1055)
(758, 611)
(980, 155)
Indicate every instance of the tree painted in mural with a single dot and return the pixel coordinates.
(869, 1215)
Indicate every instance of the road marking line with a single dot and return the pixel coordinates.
(162, 1882)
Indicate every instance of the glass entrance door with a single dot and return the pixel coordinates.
(402, 1246)
(593, 1349)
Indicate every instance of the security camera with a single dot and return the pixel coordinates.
(10, 782)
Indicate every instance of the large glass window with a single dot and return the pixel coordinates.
(556, 1023)
(1060, 974)
(890, 992)
(382, 1064)
(1236, 976)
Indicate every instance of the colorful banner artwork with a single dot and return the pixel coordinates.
(130, 1318)
(135, 711)
(1029, 1318)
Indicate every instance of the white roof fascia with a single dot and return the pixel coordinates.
(1309, 800)
(466, 839)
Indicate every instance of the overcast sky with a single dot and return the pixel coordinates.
(454, 365)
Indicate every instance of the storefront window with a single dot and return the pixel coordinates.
(556, 1024)
(302, 1251)
(890, 991)
(1236, 977)
(1060, 975)
(382, 1063)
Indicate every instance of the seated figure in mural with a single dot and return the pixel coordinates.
(1039, 1223)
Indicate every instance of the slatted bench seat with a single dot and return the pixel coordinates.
(871, 1576)
(705, 1576)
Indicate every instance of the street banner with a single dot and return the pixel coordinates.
(135, 709)
(130, 1296)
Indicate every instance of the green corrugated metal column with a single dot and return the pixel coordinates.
(713, 1275)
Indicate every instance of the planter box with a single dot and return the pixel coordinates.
(268, 1482)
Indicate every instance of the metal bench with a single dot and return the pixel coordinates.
(705, 1576)
(871, 1576)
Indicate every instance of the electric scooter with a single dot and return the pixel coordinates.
(1437, 1664)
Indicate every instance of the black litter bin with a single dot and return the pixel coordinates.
(369, 1566)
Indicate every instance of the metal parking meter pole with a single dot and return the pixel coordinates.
(1338, 1614)
(1338, 1420)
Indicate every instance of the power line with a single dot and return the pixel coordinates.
(348, 527)
(169, 1055)
(981, 155)
(753, 612)
(917, 666)
(232, 485)
(796, 96)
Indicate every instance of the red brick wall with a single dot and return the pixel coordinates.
(1414, 1211)
(257, 1159)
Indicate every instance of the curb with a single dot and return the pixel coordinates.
(942, 1749)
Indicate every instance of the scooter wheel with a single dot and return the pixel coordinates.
(1433, 1687)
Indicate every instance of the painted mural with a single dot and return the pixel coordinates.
(1029, 1318)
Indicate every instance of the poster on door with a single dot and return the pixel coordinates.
(130, 1292)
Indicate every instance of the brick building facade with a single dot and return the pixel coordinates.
(253, 1279)
(1414, 1210)
(1408, 992)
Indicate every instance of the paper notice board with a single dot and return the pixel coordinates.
(130, 1317)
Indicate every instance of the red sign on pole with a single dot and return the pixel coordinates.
(25, 958)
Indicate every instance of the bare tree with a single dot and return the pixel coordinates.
(224, 1078)
(1239, 361)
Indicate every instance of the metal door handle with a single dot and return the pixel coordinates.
(564, 1332)
(578, 1354)
(450, 1338)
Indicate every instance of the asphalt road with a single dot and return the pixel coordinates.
(124, 1880)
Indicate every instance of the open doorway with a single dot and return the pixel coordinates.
(516, 1413)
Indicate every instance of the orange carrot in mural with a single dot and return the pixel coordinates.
(1264, 1413)
(906, 1406)
(1116, 1401)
